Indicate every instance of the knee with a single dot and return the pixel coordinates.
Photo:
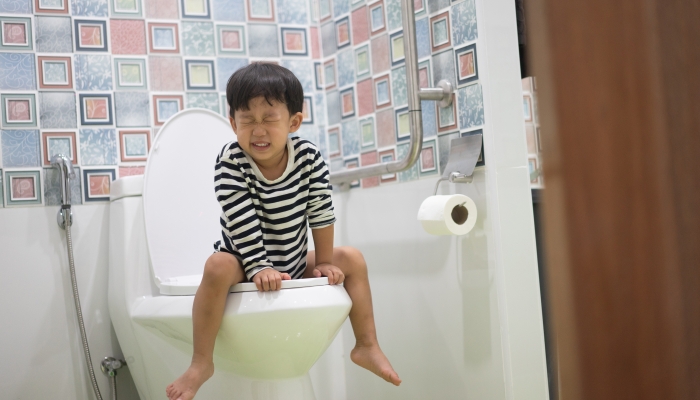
(221, 267)
(352, 259)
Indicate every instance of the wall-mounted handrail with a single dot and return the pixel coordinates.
(414, 108)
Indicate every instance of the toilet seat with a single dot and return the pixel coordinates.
(187, 285)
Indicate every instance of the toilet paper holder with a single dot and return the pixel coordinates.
(465, 153)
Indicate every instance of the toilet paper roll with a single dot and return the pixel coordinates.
(447, 214)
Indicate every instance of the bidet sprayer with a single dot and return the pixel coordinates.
(65, 169)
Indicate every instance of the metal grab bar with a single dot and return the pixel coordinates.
(443, 94)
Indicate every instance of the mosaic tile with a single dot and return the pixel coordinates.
(18, 110)
(90, 35)
(163, 38)
(334, 142)
(225, 67)
(308, 132)
(444, 67)
(398, 86)
(130, 73)
(464, 27)
(198, 39)
(444, 144)
(23, 188)
(209, 101)
(403, 124)
(134, 145)
(369, 158)
(380, 54)
(410, 174)
(393, 14)
(382, 91)
(315, 43)
(90, 8)
(16, 34)
(231, 40)
(350, 137)
(125, 8)
(322, 143)
(54, 143)
(195, 9)
(397, 48)
(263, 40)
(386, 128)
(131, 171)
(200, 74)
(97, 183)
(95, 108)
(387, 156)
(447, 116)
(161, 9)
(294, 42)
(362, 62)
(57, 110)
(440, 31)
(20, 148)
(53, 190)
(328, 41)
(93, 72)
(55, 72)
(127, 36)
(292, 12)
(16, 6)
(304, 71)
(229, 10)
(467, 66)
(342, 33)
(340, 7)
(346, 67)
(360, 26)
(365, 98)
(429, 118)
(471, 109)
(2, 196)
(437, 5)
(131, 109)
(333, 107)
(165, 73)
(367, 135)
(377, 23)
(347, 102)
(261, 10)
(17, 71)
(428, 160)
(423, 38)
(320, 104)
(98, 147)
(329, 74)
(337, 164)
(165, 107)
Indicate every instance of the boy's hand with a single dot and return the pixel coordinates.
(334, 274)
(270, 279)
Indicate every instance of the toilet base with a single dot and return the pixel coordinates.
(241, 388)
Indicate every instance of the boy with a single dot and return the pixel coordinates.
(268, 186)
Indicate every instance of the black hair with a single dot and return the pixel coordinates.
(271, 81)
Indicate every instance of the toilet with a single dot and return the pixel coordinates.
(162, 226)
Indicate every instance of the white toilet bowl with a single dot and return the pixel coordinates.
(162, 227)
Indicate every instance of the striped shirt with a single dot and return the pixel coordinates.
(264, 222)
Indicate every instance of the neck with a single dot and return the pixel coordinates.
(275, 167)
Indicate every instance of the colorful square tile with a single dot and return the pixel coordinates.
(534, 172)
(350, 137)
(162, 9)
(131, 171)
(444, 144)
(336, 164)
(334, 142)
(340, 7)
(292, 12)
(307, 132)
(412, 173)
(318, 76)
(198, 39)
(125, 8)
(428, 158)
(360, 25)
(225, 67)
(261, 10)
(362, 62)
(467, 69)
(380, 54)
(403, 125)
(20, 148)
(95, 109)
(437, 5)
(97, 184)
(351, 163)
(342, 32)
(57, 110)
(208, 101)
(471, 109)
(308, 110)
(328, 40)
(530, 138)
(294, 42)
(367, 133)
(200, 74)
(98, 147)
(54, 34)
(64, 143)
(397, 48)
(263, 40)
(481, 161)
(17, 71)
(53, 195)
(393, 14)
(382, 92)
(128, 36)
(376, 18)
(365, 98)
(319, 105)
(386, 128)
(369, 158)
(55, 72)
(225, 108)
(443, 67)
(429, 118)
(16, 6)
(424, 77)
(165, 73)
(90, 35)
(464, 27)
(15, 34)
(22, 188)
(423, 38)
(134, 145)
(387, 156)
(398, 86)
(229, 10)
(440, 31)
(527, 108)
(447, 116)
(18, 110)
(315, 43)
(195, 9)
(231, 39)
(92, 72)
(130, 73)
(324, 10)
(419, 8)
(322, 142)
(329, 74)
(346, 67)
(347, 103)
(131, 109)
(90, 8)
(333, 107)
(163, 38)
(2, 192)
(165, 107)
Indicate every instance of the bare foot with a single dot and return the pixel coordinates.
(186, 386)
(373, 359)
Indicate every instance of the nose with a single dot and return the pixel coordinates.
(259, 131)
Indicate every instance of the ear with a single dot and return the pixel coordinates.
(295, 122)
(233, 123)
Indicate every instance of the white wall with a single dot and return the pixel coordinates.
(40, 350)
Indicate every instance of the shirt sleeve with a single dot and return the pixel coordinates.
(239, 222)
(319, 209)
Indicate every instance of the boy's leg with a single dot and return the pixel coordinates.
(367, 352)
(221, 271)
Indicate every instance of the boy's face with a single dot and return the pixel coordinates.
(263, 129)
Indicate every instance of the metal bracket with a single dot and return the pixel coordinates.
(464, 154)
(110, 365)
(442, 93)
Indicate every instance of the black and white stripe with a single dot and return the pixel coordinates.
(264, 222)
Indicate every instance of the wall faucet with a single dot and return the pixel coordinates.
(65, 168)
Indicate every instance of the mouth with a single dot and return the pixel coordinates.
(260, 145)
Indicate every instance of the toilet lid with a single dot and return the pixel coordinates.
(180, 209)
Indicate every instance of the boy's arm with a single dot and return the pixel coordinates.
(323, 242)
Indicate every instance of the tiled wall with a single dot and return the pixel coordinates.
(532, 132)
(95, 79)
